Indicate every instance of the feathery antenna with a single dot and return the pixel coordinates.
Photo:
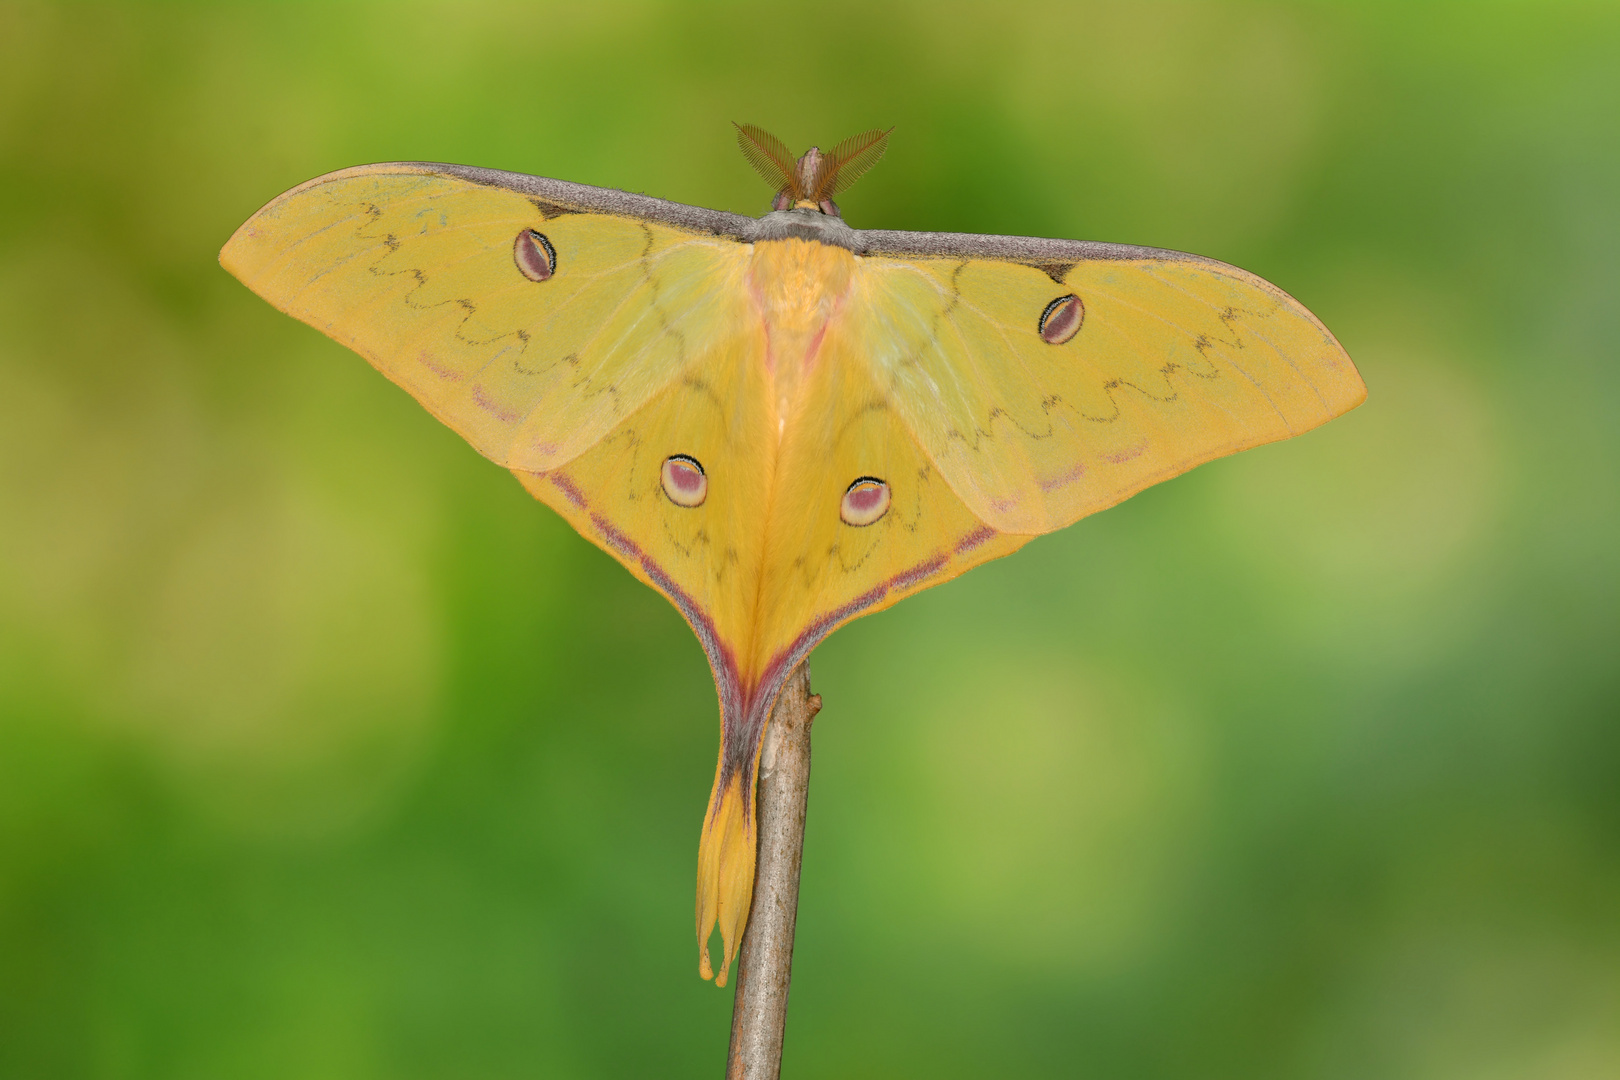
(815, 177)
(768, 155)
(849, 159)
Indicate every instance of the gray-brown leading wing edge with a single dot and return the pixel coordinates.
(587, 199)
(805, 224)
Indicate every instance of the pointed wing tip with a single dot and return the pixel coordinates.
(234, 255)
(1358, 392)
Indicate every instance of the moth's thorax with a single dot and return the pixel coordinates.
(807, 221)
(798, 287)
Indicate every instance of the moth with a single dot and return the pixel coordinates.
(783, 423)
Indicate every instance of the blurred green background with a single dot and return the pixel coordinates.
(326, 752)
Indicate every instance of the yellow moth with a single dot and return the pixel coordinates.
(784, 423)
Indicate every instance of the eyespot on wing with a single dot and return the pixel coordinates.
(684, 480)
(865, 501)
(1061, 320)
(536, 259)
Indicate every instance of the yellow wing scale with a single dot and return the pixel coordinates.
(1175, 363)
(416, 274)
(788, 369)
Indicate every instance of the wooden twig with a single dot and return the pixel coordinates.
(765, 961)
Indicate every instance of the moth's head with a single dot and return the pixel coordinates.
(812, 181)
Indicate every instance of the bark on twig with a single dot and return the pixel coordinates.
(765, 962)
